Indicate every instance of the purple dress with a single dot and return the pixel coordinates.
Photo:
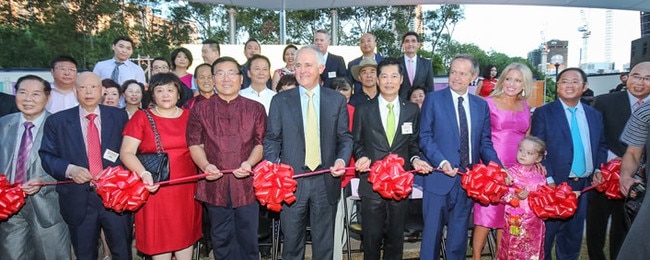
(508, 129)
(523, 239)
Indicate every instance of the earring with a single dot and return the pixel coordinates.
(523, 93)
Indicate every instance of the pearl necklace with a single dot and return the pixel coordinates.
(176, 112)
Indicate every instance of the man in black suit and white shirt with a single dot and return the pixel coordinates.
(418, 71)
(307, 128)
(334, 64)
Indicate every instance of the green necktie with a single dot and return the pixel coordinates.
(390, 124)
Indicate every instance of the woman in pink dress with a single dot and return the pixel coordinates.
(524, 235)
(181, 61)
(510, 121)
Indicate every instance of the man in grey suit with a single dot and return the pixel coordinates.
(37, 231)
(307, 128)
(418, 71)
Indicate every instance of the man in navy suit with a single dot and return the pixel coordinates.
(307, 128)
(334, 64)
(454, 133)
(418, 71)
(575, 143)
(77, 144)
(367, 44)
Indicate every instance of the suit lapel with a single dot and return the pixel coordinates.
(403, 113)
(10, 145)
(448, 104)
(561, 120)
(75, 135)
(33, 154)
(593, 133)
(294, 104)
(374, 113)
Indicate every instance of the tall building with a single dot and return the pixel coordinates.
(645, 24)
(640, 50)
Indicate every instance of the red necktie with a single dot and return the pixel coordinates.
(94, 147)
(26, 143)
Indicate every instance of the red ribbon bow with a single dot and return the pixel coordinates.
(485, 184)
(121, 190)
(611, 172)
(559, 202)
(389, 179)
(274, 184)
(12, 198)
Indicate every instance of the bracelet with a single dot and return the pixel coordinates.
(145, 172)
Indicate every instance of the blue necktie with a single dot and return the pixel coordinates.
(578, 164)
(464, 134)
(115, 76)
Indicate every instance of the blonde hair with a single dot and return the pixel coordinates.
(528, 80)
(541, 145)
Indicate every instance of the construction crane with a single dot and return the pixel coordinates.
(584, 29)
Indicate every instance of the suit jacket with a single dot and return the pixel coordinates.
(423, 76)
(334, 65)
(45, 206)
(440, 138)
(7, 104)
(285, 135)
(370, 138)
(616, 111)
(63, 145)
(357, 84)
(549, 123)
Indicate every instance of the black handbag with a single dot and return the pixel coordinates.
(156, 163)
(633, 202)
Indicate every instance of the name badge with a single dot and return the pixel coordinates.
(110, 155)
(331, 74)
(407, 128)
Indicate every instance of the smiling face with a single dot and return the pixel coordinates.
(133, 94)
(122, 50)
(165, 96)
(204, 80)
(308, 69)
(322, 41)
(227, 79)
(89, 90)
(31, 98)
(570, 86)
(367, 44)
(410, 45)
(159, 66)
(636, 84)
(417, 97)
(181, 61)
(460, 75)
(290, 57)
(513, 83)
(259, 72)
(390, 81)
(111, 97)
(251, 48)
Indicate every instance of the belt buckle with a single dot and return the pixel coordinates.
(576, 178)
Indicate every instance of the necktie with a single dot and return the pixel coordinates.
(390, 124)
(26, 143)
(116, 72)
(411, 71)
(637, 104)
(464, 134)
(578, 164)
(94, 147)
(312, 140)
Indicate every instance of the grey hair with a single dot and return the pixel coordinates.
(314, 48)
(465, 56)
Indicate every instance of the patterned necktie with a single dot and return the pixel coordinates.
(94, 147)
(464, 134)
(578, 164)
(312, 140)
(390, 124)
(637, 105)
(411, 71)
(26, 143)
(116, 72)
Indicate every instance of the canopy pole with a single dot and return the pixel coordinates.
(283, 27)
(233, 26)
(335, 27)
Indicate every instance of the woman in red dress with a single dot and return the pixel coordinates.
(169, 223)
(489, 81)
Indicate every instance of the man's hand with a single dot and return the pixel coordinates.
(598, 178)
(338, 169)
(363, 164)
(625, 182)
(147, 179)
(447, 170)
(422, 166)
(79, 175)
(214, 172)
(30, 187)
(243, 171)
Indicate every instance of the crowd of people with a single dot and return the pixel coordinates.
(313, 114)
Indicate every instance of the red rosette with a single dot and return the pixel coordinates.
(559, 202)
(389, 178)
(485, 184)
(12, 198)
(121, 189)
(611, 172)
(274, 184)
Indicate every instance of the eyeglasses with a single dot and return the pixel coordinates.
(160, 67)
(64, 69)
(572, 82)
(223, 74)
(638, 77)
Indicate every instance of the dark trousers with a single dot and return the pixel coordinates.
(311, 202)
(599, 209)
(117, 228)
(385, 220)
(234, 231)
(566, 234)
(453, 210)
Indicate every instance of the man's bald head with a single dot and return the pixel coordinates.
(638, 84)
(89, 90)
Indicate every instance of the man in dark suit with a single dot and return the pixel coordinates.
(616, 109)
(7, 104)
(395, 133)
(307, 128)
(454, 133)
(78, 143)
(575, 143)
(334, 64)
(418, 70)
(37, 231)
(367, 44)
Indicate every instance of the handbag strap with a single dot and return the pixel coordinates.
(159, 149)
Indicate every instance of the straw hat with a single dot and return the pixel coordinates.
(365, 62)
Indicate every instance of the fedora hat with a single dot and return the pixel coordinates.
(365, 62)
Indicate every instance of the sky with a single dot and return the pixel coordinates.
(515, 30)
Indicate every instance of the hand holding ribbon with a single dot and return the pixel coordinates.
(389, 178)
(485, 184)
(548, 202)
(12, 198)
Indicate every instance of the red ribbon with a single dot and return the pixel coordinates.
(12, 198)
(611, 172)
(485, 184)
(274, 184)
(121, 190)
(559, 202)
(389, 179)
